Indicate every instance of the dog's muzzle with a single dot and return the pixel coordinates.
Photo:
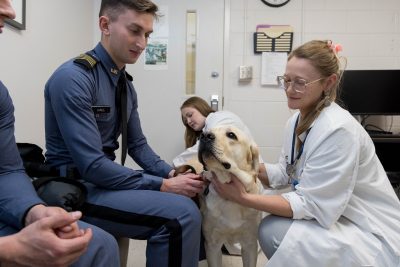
(205, 146)
(207, 138)
(207, 149)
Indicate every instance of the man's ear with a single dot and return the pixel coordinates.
(104, 23)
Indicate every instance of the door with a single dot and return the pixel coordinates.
(161, 88)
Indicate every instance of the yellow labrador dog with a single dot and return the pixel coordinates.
(226, 150)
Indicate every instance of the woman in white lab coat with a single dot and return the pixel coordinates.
(342, 210)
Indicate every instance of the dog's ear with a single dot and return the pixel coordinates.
(183, 169)
(253, 157)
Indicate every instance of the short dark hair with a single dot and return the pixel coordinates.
(113, 8)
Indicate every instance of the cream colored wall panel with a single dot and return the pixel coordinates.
(270, 154)
(354, 45)
(51, 37)
(236, 44)
(237, 4)
(359, 21)
(325, 21)
(383, 21)
(391, 42)
(360, 62)
(314, 4)
(253, 92)
(237, 21)
(348, 4)
(385, 5)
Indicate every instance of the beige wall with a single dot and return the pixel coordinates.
(56, 30)
(369, 31)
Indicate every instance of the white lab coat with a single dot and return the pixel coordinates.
(345, 210)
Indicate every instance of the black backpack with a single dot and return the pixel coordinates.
(67, 193)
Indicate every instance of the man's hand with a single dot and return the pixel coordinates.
(40, 211)
(187, 184)
(38, 244)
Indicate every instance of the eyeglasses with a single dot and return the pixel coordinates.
(298, 84)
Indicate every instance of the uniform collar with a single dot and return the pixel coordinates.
(111, 68)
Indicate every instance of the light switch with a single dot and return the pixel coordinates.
(245, 73)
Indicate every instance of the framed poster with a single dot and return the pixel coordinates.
(19, 21)
(156, 53)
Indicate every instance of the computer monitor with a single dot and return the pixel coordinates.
(371, 92)
(386, 152)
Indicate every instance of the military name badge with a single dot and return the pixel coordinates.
(101, 111)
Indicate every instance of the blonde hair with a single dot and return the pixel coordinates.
(202, 106)
(323, 56)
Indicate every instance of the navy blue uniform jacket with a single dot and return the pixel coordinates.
(82, 127)
(17, 194)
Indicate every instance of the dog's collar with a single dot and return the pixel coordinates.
(204, 174)
(206, 190)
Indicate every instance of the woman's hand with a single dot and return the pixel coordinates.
(233, 191)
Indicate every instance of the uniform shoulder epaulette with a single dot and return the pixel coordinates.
(86, 60)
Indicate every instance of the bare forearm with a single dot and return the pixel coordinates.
(262, 175)
(274, 204)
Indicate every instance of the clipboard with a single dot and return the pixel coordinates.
(273, 38)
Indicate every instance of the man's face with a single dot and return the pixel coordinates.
(127, 36)
(6, 12)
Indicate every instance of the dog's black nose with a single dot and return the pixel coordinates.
(207, 136)
(226, 165)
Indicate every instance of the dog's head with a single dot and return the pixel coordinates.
(227, 149)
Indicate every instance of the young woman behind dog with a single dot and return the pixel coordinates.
(343, 210)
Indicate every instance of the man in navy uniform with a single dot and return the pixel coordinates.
(32, 234)
(84, 118)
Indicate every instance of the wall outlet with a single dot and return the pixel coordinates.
(245, 73)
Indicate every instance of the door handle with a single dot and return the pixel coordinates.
(214, 102)
(214, 74)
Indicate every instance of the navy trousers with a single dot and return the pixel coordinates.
(170, 223)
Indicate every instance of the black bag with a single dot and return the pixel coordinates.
(63, 192)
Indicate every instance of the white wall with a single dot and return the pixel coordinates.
(55, 31)
(369, 31)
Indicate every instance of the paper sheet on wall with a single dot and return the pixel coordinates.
(273, 64)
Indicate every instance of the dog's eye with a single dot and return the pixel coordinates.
(231, 135)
